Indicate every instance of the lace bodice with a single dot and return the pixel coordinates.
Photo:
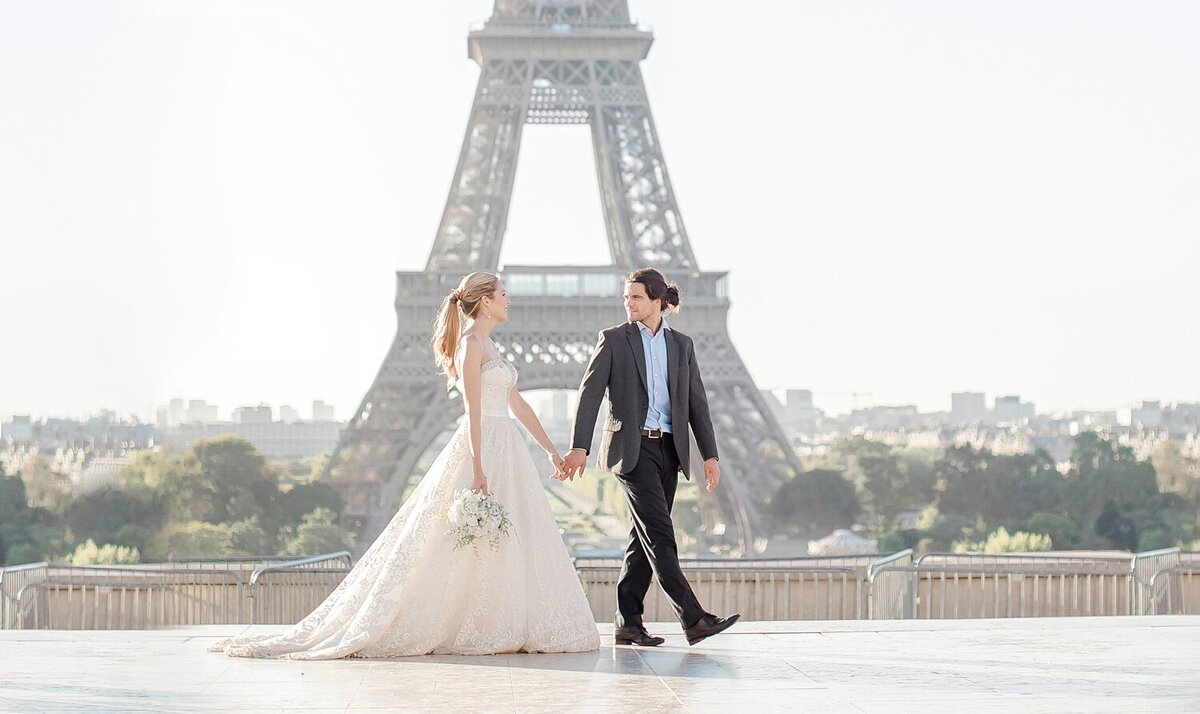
(496, 379)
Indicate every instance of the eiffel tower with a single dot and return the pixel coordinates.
(559, 62)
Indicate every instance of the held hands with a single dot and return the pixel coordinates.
(712, 474)
(557, 462)
(574, 464)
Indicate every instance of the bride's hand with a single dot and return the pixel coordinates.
(480, 485)
(557, 462)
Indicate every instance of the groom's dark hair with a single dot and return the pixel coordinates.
(657, 287)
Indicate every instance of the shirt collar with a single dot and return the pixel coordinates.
(646, 330)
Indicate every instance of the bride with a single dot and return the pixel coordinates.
(412, 592)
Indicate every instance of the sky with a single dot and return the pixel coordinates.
(208, 199)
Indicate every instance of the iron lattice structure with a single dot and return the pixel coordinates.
(559, 62)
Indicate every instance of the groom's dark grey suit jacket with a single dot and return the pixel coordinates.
(618, 365)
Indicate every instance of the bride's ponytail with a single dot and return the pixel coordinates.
(446, 329)
(463, 301)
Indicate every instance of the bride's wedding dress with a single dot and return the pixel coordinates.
(412, 594)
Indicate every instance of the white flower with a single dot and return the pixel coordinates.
(477, 516)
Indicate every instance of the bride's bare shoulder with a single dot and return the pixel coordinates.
(470, 349)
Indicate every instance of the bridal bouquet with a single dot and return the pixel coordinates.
(477, 516)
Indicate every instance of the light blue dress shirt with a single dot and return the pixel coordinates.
(658, 416)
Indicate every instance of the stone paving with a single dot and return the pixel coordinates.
(1112, 664)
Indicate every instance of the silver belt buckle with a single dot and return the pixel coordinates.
(653, 433)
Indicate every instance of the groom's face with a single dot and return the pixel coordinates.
(638, 305)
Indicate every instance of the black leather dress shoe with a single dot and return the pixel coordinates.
(708, 626)
(636, 636)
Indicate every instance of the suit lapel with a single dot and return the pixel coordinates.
(634, 337)
(674, 367)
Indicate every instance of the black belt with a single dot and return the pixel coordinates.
(654, 433)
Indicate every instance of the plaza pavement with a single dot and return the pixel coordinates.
(1100, 664)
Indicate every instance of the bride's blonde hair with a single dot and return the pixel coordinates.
(463, 301)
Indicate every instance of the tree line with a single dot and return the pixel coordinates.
(969, 498)
(221, 498)
(218, 498)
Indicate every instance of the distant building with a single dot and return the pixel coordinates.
(968, 406)
(1148, 416)
(100, 472)
(886, 417)
(19, 428)
(183, 423)
(322, 411)
(177, 411)
(97, 434)
(1011, 410)
(172, 415)
(91, 452)
(1184, 417)
(800, 414)
(272, 439)
(200, 412)
(260, 414)
(795, 412)
(1092, 420)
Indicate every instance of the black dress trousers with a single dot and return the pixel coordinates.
(652, 551)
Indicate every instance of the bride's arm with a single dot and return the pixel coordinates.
(472, 361)
(525, 414)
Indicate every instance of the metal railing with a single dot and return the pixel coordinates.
(194, 592)
(966, 591)
(888, 594)
(758, 594)
(859, 562)
(116, 597)
(901, 557)
(1148, 589)
(1189, 584)
(279, 590)
(969, 585)
(805, 588)
(12, 581)
(1175, 590)
(283, 593)
(248, 563)
(1120, 562)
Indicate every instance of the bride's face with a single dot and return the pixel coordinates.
(497, 304)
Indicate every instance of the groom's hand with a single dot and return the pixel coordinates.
(712, 474)
(575, 463)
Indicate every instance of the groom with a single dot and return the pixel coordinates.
(655, 394)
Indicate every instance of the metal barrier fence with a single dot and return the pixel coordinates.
(12, 581)
(1176, 589)
(969, 585)
(965, 591)
(860, 563)
(932, 586)
(758, 594)
(251, 563)
(42, 596)
(114, 598)
(1189, 584)
(805, 588)
(1149, 590)
(1115, 560)
(283, 593)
